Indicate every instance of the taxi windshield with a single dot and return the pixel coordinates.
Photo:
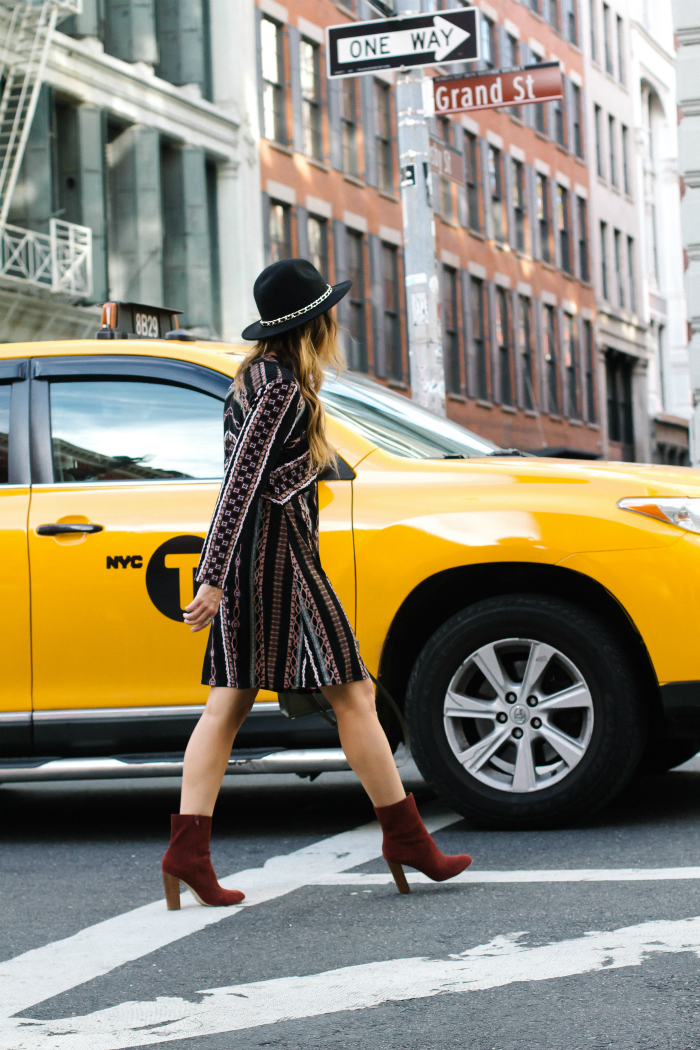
(396, 424)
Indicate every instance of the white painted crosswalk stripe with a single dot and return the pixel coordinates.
(503, 961)
(476, 877)
(39, 974)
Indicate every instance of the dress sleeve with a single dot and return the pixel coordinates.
(254, 455)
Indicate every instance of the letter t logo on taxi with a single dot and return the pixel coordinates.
(185, 564)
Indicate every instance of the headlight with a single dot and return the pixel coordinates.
(685, 513)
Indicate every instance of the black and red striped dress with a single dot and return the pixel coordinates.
(280, 625)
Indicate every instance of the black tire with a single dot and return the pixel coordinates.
(662, 755)
(618, 733)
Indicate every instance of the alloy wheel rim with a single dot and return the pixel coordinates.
(518, 715)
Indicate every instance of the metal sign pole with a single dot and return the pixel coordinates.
(426, 368)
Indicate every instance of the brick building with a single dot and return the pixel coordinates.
(517, 304)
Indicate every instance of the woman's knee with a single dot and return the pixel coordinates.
(354, 697)
(224, 703)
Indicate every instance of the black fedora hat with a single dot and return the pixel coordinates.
(288, 294)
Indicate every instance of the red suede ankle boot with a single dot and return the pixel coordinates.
(187, 860)
(406, 841)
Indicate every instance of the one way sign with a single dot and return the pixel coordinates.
(392, 43)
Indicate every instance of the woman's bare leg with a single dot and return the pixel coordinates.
(364, 741)
(210, 746)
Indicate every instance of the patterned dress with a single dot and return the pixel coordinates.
(280, 625)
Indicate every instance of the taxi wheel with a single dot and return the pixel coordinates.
(525, 711)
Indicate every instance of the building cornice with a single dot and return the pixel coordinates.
(81, 69)
(643, 32)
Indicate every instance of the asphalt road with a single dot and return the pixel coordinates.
(321, 956)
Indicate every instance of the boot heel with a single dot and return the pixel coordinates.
(172, 891)
(399, 877)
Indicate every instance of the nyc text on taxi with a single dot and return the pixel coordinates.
(536, 619)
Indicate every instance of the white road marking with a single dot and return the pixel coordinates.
(41, 973)
(535, 875)
(502, 961)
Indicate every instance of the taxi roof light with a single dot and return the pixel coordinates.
(139, 321)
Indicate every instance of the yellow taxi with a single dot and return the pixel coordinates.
(536, 619)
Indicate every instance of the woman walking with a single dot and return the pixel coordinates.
(276, 622)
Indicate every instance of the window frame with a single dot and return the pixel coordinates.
(287, 228)
(551, 359)
(323, 258)
(604, 276)
(478, 302)
(525, 352)
(571, 366)
(597, 119)
(612, 150)
(544, 217)
(584, 256)
(109, 367)
(312, 106)
(392, 315)
(577, 122)
(519, 206)
(472, 180)
(452, 349)
(591, 371)
(383, 143)
(348, 126)
(279, 87)
(504, 345)
(564, 228)
(357, 303)
(497, 194)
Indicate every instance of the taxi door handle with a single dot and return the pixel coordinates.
(56, 529)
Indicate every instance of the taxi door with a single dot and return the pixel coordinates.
(15, 680)
(129, 453)
(127, 457)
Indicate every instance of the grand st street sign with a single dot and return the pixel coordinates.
(393, 43)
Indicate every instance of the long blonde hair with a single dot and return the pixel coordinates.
(305, 351)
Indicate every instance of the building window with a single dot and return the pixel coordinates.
(598, 117)
(535, 5)
(451, 327)
(317, 236)
(620, 52)
(604, 259)
(591, 370)
(625, 161)
(444, 185)
(660, 333)
(583, 264)
(619, 283)
(348, 117)
(559, 126)
(576, 118)
(554, 13)
(618, 374)
(382, 124)
(504, 344)
(488, 42)
(540, 117)
(571, 365)
(630, 273)
(513, 59)
(519, 205)
(607, 41)
(272, 54)
(478, 304)
(311, 99)
(613, 156)
(471, 156)
(496, 191)
(392, 323)
(543, 218)
(280, 231)
(550, 359)
(564, 228)
(358, 327)
(571, 25)
(594, 35)
(525, 351)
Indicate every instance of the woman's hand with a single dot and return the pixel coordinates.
(202, 610)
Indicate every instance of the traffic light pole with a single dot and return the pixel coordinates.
(426, 367)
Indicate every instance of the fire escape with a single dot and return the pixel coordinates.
(60, 261)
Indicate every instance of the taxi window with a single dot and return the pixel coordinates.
(397, 424)
(5, 395)
(120, 430)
